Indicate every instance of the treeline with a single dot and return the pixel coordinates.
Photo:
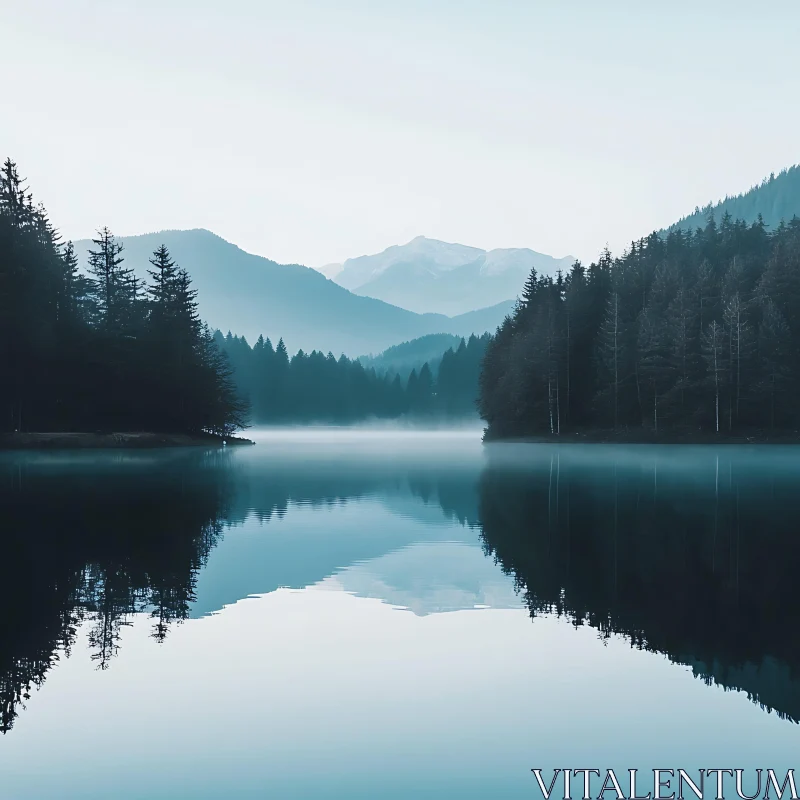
(692, 331)
(314, 387)
(102, 351)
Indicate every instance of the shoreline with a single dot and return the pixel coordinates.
(634, 436)
(121, 440)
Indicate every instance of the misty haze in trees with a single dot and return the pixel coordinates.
(401, 358)
(100, 351)
(318, 388)
(685, 332)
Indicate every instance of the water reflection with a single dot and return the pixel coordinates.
(93, 540)
(688, 552)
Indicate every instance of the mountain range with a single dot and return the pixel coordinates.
(251, 295)
(427, 275)
(369, 303)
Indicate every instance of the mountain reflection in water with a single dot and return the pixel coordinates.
(690, 552)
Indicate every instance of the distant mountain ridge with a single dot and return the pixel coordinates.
(776, 198)
(251, 295)
(428, 275)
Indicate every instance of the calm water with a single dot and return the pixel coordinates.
(343, 615)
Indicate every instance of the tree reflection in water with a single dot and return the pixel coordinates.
(690, 552)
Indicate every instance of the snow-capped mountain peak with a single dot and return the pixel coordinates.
(428, 275)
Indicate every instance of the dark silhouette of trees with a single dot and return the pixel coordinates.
(650, 543)
(95, 544)
(113, 285)
(457, 379)
(100, 351)
(684, 333)
(658, 548)
(315, 387)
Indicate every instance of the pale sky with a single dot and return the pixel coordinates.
(311, 131)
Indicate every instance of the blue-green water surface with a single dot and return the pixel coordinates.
(342, 614)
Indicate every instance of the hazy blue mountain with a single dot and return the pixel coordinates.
(420, 255)
(251, 295)
(427, 275)
(776, 198)
(483, 319)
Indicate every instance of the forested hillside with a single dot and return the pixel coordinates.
(776, 198)
(400, 359)
(697, 331)
(103, 350)
(318, 388)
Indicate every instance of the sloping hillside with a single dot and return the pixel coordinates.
(776, 198)
(402, 358)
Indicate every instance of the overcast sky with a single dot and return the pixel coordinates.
(311, 132)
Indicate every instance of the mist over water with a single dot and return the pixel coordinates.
(379, 434)
(414, 612)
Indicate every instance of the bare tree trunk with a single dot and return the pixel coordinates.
(730, 379)
(716, 383)
(772, 402)
(683, 358)
(558, 408)
(616, 361)
(639, 394)
(568, 364)
(655, 409)
(550, 380)
(738, 358)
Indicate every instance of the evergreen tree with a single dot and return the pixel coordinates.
(529, 289)
(112, 282)
(73, 289)
(163, 286)
(738, 334)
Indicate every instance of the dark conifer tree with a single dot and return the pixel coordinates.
(112, 282)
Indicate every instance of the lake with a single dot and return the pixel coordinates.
(366, 614)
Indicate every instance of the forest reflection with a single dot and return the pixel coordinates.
(688, 552)
(93, 540)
